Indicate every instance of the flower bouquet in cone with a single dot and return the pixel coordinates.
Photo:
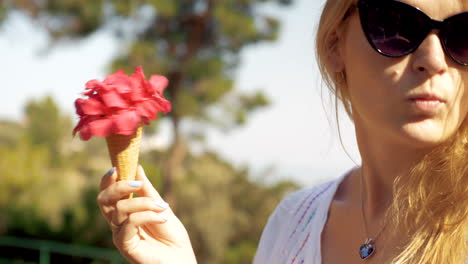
(116, 109)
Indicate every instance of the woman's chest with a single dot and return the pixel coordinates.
(343, 235)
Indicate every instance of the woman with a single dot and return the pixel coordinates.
(400, 73)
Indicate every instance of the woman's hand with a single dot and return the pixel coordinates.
(144, 229)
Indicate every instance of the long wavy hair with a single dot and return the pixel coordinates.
(431, 203)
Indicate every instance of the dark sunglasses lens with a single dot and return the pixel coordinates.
(456, 38)
(393, 28)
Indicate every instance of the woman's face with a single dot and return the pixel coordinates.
(380, 87)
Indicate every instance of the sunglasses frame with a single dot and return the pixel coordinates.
(365, 5)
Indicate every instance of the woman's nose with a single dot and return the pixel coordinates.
(430, 58)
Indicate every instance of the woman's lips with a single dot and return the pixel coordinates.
(429, 106)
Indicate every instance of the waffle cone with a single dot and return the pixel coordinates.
(124, 151)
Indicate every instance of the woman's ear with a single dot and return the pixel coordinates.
(335, 54)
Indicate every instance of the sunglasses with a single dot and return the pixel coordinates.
(395, 29)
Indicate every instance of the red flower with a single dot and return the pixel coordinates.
(120, 103)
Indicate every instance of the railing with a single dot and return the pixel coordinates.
(46, 248)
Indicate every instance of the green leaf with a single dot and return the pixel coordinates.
(199, 68)
(236, 26)
(212, 90)
(252, 102)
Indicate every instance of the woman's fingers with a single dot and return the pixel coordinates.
(108, 198)
(109, 178)
(112, 191)
(126, 234)
(125, 215)
(146, 217)
(117, 191)
(128, 206)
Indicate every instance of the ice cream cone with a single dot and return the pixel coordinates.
(124, 151)
(118, 105)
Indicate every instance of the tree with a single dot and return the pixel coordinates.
(9, 133)
(195, 43)
(223, 208)
(49, 189)
(46, 127)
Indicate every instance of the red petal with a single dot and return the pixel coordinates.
(85, 133)
(139, 72)
(138, 94)
(78, 103)
(126, 122)
(95, 85)
(158, 83)
(139, 85)
(119, 81)
(80, 125)
(89, 106)
(89, 92)
(100, 127)
(147, 109)
(163, 105)
(113, 99)
(83, 127)
(114, 75)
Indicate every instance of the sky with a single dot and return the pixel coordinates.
(296, 136)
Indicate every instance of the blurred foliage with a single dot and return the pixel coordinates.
(2, 12)
(195, 43)
(223, 208)
(46, 128)
(50, 180)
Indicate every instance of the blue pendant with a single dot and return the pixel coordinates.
(367, 249)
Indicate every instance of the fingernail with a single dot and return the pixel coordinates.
(164, 217)
(162, 204)
(109, 172)
(135, 183)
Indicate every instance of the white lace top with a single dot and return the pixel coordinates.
(292, 234)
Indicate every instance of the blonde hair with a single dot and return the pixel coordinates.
(431, 203)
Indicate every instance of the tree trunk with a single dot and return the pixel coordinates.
(178, 150)
(172, 164)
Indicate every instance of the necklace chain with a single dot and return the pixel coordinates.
(368, 239)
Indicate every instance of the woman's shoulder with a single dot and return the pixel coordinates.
(314, 194)
(296, 219)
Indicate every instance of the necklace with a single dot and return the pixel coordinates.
(368, 248)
